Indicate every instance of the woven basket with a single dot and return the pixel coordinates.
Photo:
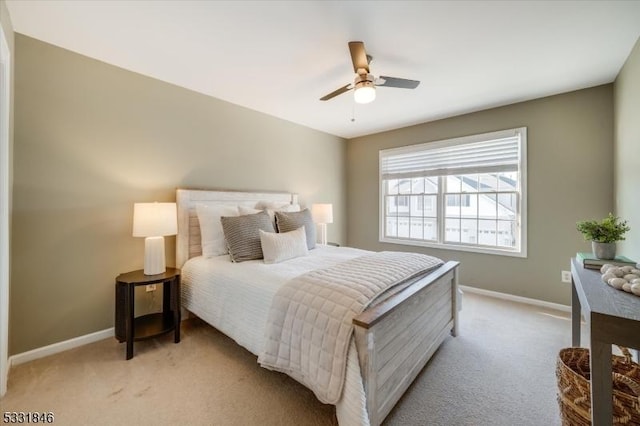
(574, 391)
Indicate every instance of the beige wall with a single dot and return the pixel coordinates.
(627, 150)
(90, 140)
(570, 176)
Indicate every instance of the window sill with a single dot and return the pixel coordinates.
(472, 249)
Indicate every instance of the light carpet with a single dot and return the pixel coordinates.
(500, 370)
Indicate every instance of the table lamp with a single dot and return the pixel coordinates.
(154, 221)
(322, 214)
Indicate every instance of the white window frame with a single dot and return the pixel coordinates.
(521, 216)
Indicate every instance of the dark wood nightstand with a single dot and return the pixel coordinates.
(128, 327)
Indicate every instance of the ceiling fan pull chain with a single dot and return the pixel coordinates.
(353, 112)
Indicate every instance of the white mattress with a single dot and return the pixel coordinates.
(235, 298)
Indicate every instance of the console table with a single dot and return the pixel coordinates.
(613, 317)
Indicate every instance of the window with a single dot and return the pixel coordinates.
(466, 193)
(402, 201)
(461, 200)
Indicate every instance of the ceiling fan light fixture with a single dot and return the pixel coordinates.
(365, 90)
(364, 85)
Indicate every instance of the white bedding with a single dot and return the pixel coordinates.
(235, 298)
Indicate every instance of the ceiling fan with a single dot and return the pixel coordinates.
(365, 83)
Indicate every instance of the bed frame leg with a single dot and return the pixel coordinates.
(455, 295)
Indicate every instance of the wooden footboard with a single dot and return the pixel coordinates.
(397, 337)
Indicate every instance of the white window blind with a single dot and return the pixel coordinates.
(457, 157)
(466, 193)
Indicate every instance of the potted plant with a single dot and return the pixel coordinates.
(603, 235)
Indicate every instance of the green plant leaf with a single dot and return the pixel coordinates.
(608, 230)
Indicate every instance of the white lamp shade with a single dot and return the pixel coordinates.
(154, 219)
(364, 94)
(322, 213)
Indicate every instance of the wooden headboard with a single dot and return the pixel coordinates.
(188, 239)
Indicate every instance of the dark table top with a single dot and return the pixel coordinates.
(138, 277)
(598, 297)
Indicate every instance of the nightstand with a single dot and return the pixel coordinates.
(130, 328)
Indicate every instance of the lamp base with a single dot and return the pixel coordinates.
(323, 233)
(154, 262)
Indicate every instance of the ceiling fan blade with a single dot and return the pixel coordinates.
(335, 93)
(358, 56)
(402, 83)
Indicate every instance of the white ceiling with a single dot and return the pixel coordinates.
(280, 57)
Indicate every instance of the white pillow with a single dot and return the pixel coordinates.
(271, 209)
(280, 207)
(213, 242)
(289, 208)
(243, 211)
(287, 245)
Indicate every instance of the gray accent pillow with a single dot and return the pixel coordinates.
(243, 235)
(290, 221)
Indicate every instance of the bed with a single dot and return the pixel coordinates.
(392, 340)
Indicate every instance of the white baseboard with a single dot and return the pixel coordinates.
(520, 299)
(60, 347)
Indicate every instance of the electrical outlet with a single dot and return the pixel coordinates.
(151, 287)
(566, 276)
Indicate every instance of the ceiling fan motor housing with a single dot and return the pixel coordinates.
(364, 80)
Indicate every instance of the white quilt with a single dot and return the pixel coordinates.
(310, 321)
(235, 299)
